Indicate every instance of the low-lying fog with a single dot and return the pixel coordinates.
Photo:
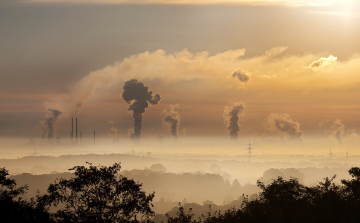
(183, 170)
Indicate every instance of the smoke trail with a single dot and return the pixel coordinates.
(172, 119)
(114, 132)
(48, 125)
(231, 118)
(338, 130)
(284, 123)
(138, 97)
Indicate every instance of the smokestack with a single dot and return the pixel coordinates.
(72, 128)
(76, 130)
(94, 137)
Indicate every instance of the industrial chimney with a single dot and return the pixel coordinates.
(72, 128)
(76, 130)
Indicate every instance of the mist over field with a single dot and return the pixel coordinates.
(187, 170)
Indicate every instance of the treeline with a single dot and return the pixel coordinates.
(289, 201)
(101, 194)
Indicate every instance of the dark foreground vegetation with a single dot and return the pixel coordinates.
(101, 194)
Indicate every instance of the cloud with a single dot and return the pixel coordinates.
(322, 62)
(183, 65)
(284, 123)
(231, 116)
(288, 73)
(172, 119)
(275, 51)
(190, 2)
(241, 75)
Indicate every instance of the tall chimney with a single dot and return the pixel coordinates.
(72, 128)
(76, 130)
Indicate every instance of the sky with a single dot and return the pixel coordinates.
(233, 68)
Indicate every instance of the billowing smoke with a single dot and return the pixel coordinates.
(241, 75)
(336, 128)
(172, 119)
(322, 62)
(48, 125)
(284, 123)
(114, 132)
(232, 115)
(138, 97)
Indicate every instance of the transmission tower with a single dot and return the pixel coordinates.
(249, 149)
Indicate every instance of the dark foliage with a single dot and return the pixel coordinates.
(101, 194)
(288, 201)
(13, 208)
(98, 194)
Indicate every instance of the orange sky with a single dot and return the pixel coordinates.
(302, 64)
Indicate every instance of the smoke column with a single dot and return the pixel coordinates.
(48, 125)
(231, 118)
(338, 130)
(284, 123)
(114, 132)
(172, 119)
(138, 97)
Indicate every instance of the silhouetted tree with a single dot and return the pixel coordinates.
(181, 216)
(13, 208)
(98, 194)
(288, 201)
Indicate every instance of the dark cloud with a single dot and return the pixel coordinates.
(138, 97)
(284, 123)
(172, 119)
(241, 75)
(231, 118)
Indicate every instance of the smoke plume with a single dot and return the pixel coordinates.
(322, 62)
(48, 125)
(138, 97)
(232, 115)
(114, 132)
(284, 123)
(338, 130)
(172, 119)
(241, 75)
